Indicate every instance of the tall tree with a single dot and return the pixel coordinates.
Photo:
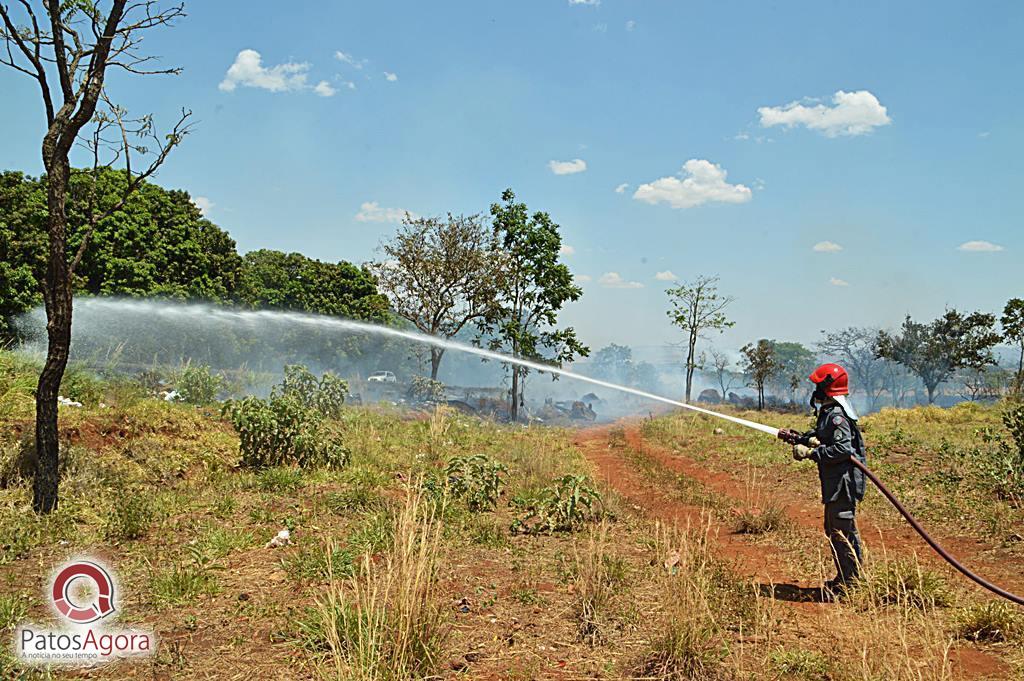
(440, 275)
(854, 349)
(697, 307)
(75, 43)
(1012, 322)
(760, 365)
(935, 351)
(533, 289)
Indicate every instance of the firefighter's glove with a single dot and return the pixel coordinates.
(789, 436)
(801, 452)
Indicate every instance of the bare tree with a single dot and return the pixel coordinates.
(696, 308)
(67, 48)
(440, 275)
(854, 348)
(726, 377)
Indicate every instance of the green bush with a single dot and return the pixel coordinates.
(129, 518)
(475, 480)
(81, 385)
(990, 622)
(198, 385)
(282, 431)
(425, 389)
(563, 507)
(326, 396)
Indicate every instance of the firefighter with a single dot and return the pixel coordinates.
(833, 442)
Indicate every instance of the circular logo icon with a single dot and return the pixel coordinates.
(66, 600)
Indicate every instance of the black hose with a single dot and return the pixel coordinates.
(931, 542)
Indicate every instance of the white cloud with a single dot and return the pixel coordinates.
(615, 280)
(592, 3)
(630, 25)
(349, 84)
(699, 182)
(827, 247)
(600, 28)
(350, 60)
(583, 278)
(390, 77)
(204, 204)
(371, 211)
(985, 134)
(248, 71)
(325, 89)
(667, 275)
(621, 189)
(577, 165)
(852, 113)
(980, 247)
(566, 249)
(838, 282)
(759, 184)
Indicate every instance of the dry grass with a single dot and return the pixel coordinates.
(595, 586)
(692, 645)
(387, 622)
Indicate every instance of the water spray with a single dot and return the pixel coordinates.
(257, 318)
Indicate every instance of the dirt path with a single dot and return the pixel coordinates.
(764, 563)
(805, 511)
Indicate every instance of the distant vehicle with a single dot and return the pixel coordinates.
(382, 377)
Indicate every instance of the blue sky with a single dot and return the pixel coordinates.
(721, 118)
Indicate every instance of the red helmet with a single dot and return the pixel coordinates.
(831, 379)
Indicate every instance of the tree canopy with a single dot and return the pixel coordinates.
(936, 350)
(158, 244)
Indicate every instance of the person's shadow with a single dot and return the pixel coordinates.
(791, 593)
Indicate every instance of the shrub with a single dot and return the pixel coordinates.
(326, 396)
(563, 507)
(476, 480)
(903, 583)
(806, 664)
(129, 518)
(424, 389)
(760, 519)
(281, 431)
(81, 385)
(990, 622)
(198, 385)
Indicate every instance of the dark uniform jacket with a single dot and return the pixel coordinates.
(840, 439)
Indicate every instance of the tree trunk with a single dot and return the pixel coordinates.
(931, 393)
(57, 297)
(513, 411)
(436, 354)
(689, 364)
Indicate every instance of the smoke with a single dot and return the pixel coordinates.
(140, 333)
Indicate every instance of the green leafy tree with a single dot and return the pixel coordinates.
(760, 364)
(613, 363)
(67, 49)
(440, 275)
(795, 363)
(534, 287)
(697, 307)
(291, 281)
(157, 243)
(1012, 322)
(935, 351)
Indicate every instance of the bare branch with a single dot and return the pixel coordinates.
(36, 39)
(164, 148)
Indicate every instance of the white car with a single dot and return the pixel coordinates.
(382, 377)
